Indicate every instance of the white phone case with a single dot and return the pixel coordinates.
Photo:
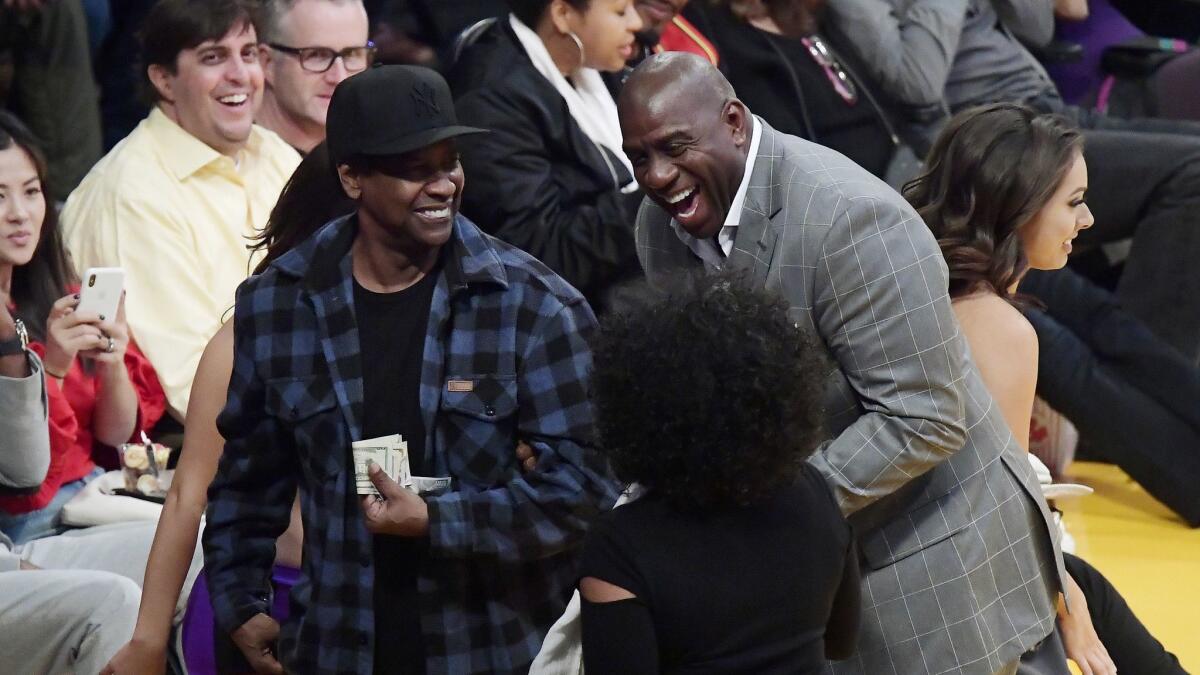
(101, 291)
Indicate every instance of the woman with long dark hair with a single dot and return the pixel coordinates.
(102, 390)
(1004, 193)
(312, 197)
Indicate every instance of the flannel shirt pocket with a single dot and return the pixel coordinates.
(478, 420)
(306, 407)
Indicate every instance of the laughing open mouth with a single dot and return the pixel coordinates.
(683, 203)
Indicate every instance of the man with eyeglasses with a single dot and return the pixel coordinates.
(309, 46)
(175, 202)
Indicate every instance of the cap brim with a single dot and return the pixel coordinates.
(421, 140)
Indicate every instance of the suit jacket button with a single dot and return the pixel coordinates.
(489, 411)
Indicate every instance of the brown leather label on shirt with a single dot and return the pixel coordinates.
(460, 385)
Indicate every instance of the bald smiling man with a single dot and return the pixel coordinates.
(960, 573)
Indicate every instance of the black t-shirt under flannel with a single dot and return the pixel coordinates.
(391, 333)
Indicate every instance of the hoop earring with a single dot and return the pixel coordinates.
(578, 45)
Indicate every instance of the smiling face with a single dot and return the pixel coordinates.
(302, 95)
(687, 157)
(215, 89)
(413, 197)
(605, 29)
(22, 207)
(1046, 238)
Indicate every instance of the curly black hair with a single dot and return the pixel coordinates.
(705, 392)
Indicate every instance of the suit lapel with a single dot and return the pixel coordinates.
(754, 245)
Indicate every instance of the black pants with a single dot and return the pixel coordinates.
(1144, 183)
(1132, 648)
(1135, 401)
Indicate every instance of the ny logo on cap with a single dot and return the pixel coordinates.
(424, 98)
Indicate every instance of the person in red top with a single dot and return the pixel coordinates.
(102, 391)
(665, 30)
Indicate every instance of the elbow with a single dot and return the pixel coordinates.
(1071, 10)
(31, 472)
(116, 435)
(947, 436)
(26, 479)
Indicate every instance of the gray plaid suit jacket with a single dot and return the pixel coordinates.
(959, 566)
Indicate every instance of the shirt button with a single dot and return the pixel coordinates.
(362, 639)
(489, 411)
(366, 561)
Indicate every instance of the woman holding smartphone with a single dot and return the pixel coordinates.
(102, 391)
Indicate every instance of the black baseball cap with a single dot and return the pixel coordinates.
(390, 110)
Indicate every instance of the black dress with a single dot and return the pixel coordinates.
(772, 588)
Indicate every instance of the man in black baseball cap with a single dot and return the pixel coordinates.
(391, 110)
(404, 318)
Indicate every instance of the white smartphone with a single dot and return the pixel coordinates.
(101, 291)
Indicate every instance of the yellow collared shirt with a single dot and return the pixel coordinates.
(177, 216)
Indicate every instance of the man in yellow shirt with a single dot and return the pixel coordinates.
(177, 201)
(309, 46)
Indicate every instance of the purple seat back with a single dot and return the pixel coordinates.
(198, 625)
(1105, 26)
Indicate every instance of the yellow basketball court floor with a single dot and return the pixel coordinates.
(1146, 551)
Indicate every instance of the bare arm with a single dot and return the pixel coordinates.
(1005, 350)
(116, 405)
(1071, 10)
(175, 538)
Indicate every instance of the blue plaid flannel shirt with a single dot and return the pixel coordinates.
(502, 546)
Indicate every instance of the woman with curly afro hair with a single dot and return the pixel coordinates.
(735, 556)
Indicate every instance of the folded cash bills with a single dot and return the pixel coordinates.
(389, 452)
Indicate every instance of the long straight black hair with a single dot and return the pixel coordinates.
(38, 284)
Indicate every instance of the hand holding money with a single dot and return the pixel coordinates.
(395, 511)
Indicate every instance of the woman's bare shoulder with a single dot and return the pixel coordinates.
(988, 320)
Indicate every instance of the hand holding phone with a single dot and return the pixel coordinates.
(101, 291)
(75, 325)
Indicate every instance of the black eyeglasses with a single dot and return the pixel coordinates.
(320, 59)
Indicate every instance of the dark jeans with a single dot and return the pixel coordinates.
(1144, 183)
(1132, 648)
(53, 90)
(1135, 400)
